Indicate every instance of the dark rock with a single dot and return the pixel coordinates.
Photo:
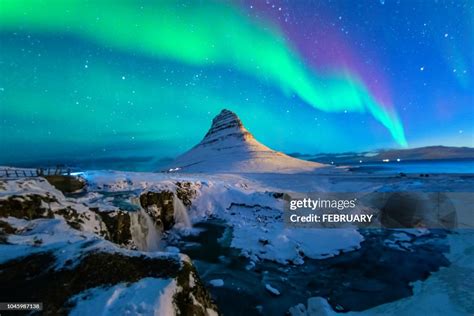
(35, 278)
(184, 299)
(26, 207)
(72, 217)
(66, 184)
(118, 226)
(5, 230)
(263, 241)
(278, 195)
(185, 192)
(159, 205)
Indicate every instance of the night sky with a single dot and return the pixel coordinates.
(137, 81)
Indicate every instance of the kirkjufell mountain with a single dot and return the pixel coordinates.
(229, 147)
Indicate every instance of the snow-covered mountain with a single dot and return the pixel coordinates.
(229, 147)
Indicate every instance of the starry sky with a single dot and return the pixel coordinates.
(123, 83)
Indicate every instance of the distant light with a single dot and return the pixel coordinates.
(77, 174)
(360, 161)
(386, 160)
(398, 159)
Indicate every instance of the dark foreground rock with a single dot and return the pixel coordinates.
(35, 278)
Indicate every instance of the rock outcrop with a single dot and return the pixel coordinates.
(159, 205)
(58, 251)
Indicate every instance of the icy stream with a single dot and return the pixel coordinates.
(145, 234)
(380, 272)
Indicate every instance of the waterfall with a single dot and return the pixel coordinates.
(145, 234)
(181, 217)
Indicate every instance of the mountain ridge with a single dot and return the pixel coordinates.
(411, 154)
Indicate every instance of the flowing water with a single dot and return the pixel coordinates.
(145, 234)
(181, 217)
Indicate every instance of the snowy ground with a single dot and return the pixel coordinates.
(247, 203)
(254, 216)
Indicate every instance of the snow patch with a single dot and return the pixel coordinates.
(217, 282)
(148, 296)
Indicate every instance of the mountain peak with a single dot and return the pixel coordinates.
(226, 124)
(226, 115)
(229, 147)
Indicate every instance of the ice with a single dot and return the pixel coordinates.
(217, 282)
(272, 290)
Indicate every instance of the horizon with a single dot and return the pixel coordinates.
(151, 163)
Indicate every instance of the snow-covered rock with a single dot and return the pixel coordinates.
(58, 251)
(229, 147)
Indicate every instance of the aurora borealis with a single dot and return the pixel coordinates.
(137, 79)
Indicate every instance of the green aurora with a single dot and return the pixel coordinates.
(207, 34)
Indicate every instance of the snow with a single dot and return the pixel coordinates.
(67, 244)
(317, 306)
(246, 203)
(272, 290)
(54, 235)
(217, 282)
(219, 195)
(148, 296)
(298, 310)
(26, 186)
